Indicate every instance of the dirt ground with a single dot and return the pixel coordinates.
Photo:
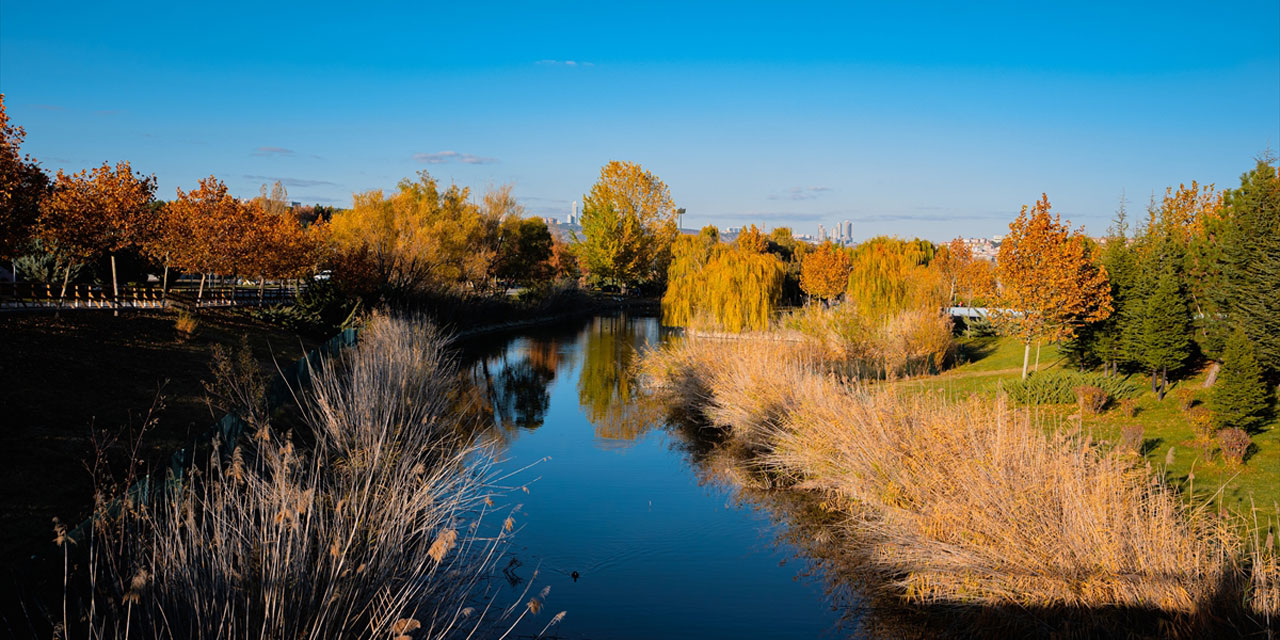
(76, 377)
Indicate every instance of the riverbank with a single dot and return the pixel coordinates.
(969, 502)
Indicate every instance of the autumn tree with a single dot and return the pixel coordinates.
(208, 231)
(22, 185)
(684, 295)
(751, 239)
(95, 211)
(888, 276)
(1049, 282)
(419, 238)
(628, 225)
(824, 273)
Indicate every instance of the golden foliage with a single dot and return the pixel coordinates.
(1050, 281)
(751, 239)
(628, 225)
(732, 288)
(889, 276)
(418, 237)
(824, 272)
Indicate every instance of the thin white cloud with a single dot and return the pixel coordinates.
(292, 182)
(272, 151)
(800, 193)
(445, 157)
(565, 63)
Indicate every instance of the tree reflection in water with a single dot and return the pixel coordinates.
(607, 387)
(510, 383)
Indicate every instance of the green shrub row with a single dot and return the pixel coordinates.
(1058, 386)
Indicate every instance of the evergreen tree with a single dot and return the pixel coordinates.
(1165, 327)
(1250, 295)
(1241, 398)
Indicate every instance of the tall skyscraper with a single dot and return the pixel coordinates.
(822, 233)
(573, 217)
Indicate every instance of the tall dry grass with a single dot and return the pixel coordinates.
(375, 529)
(962, 502)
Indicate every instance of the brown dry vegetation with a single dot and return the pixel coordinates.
(370, 531)
(966, 502)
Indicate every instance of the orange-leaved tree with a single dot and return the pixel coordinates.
(205, 231)
(890, 275)
(105, 209)
(824, 272)
(22, 185)
(1050, 281)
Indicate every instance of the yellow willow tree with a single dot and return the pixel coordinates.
(742, 288)
(105, 209)
(684, 297)
(824, 272)
(889, 275)
(1050, 282)
(628, 225)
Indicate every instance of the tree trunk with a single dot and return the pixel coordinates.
(1164, 383)
(1037, 367)
(1026, 357)
(65, 279)
(164, 284)
(1155, 375)
(115, 287)
(1213, 374)
(262, 288)
(200, 291)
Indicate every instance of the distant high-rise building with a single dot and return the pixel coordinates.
(848, 231)
(822, 233)
(573, 217)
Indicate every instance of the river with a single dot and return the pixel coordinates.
(661, 548)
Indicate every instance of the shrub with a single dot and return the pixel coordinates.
(321, 310)
(1128, 407)
(1202, 425)
(1091, 399)
(1234, 443)
(1186, 398)
(1057, 386)
(186, 323)
(1131, 438)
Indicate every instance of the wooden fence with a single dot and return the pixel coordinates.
(29, 295)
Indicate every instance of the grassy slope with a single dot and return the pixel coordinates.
(987, 361)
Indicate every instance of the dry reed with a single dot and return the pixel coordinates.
(375, 528)
(966, 502)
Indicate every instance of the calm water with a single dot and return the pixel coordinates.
(661, 552)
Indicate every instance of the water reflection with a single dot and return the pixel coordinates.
(607, 387)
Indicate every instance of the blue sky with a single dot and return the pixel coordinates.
(911, 119)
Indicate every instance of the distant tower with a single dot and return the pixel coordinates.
(822, 233)
(848, 231)
(573, 217)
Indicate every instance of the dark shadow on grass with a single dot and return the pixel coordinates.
(1149, 445)
(976, 349)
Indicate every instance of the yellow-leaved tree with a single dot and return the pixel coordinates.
(418, 238)
(824, 272)
(628, 225)
(1049, 280)
(730, 287)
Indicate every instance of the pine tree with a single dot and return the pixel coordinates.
(1250, 294)
(1166, 328)
(1241, 397)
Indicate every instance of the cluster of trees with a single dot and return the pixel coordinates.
(424, 238)
(110, 211)
(1200, 280)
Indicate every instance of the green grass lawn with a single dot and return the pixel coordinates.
(985, 362)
